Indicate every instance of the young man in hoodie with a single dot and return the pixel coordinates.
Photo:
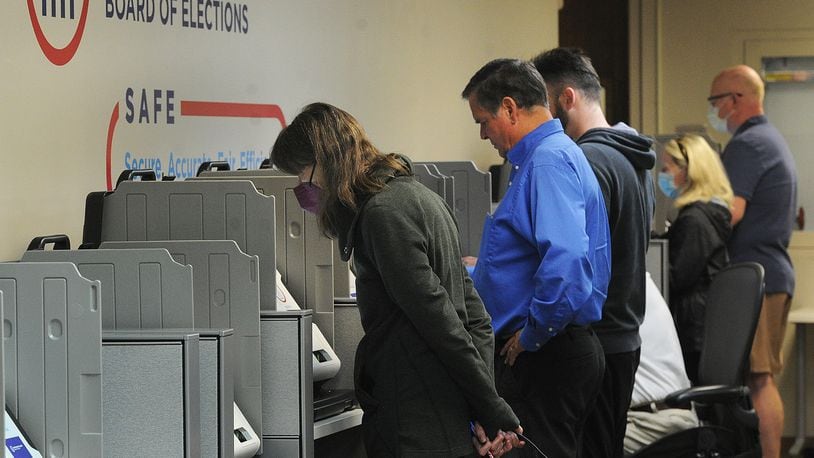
(621, 160)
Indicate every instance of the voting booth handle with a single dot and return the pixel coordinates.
(209, 166)
(142, 174)
(60, 242)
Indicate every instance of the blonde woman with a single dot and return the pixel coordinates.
(694, 176)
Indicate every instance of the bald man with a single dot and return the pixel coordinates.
(762, 172)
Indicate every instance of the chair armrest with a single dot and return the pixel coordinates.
(712, 394)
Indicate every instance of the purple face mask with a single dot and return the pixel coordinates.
(308, 195)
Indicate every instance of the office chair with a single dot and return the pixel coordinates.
(729, 426)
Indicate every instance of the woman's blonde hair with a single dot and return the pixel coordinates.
(706, 177)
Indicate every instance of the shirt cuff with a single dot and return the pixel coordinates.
(533, 338)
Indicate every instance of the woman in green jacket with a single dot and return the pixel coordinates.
(423, 370)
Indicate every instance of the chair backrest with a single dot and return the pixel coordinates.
(732, 310)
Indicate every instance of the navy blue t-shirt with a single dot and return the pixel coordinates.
(762, 171)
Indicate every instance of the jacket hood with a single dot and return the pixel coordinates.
(719, 215)
(346, 237)
(406, 161)
(635, 147)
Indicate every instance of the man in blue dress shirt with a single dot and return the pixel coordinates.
(544, 262)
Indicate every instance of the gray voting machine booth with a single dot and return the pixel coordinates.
(141, 288)
(306, 270)
(288, 413)
(226, 294)
(52, 356)
(349, 333)
(428, 174)
(156, 376)
(472, 200)
(658, 264)
(196, 210)
(151, 370)
(303, 252)
(228, 210)
(146, 289)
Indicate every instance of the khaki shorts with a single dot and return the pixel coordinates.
(644, 428)
(771, 329)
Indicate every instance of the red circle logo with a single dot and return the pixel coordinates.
(58, 56)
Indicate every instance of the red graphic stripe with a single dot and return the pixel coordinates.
(234, 110)
(55, 55)
(111, 128)
(190, 108)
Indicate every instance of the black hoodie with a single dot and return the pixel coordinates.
(621, 160)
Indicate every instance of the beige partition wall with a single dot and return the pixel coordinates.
(93, 87)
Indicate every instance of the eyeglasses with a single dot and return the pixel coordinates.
(711, 99)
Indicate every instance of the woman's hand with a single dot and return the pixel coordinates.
(501, 444)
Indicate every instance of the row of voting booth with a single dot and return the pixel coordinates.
(208, 317)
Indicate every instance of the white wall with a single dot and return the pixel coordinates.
(398, 65)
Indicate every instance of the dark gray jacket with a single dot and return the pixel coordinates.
(424, 368)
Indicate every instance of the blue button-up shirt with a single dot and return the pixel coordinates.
(544, 261)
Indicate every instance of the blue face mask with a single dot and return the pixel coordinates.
(667, 185)
(717, 123)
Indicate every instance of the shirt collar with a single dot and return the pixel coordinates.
(519, 152)
(753, 121)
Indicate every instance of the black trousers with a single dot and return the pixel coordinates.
(551, 390)
(605, 428)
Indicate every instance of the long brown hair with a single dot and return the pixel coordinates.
(329, 136)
